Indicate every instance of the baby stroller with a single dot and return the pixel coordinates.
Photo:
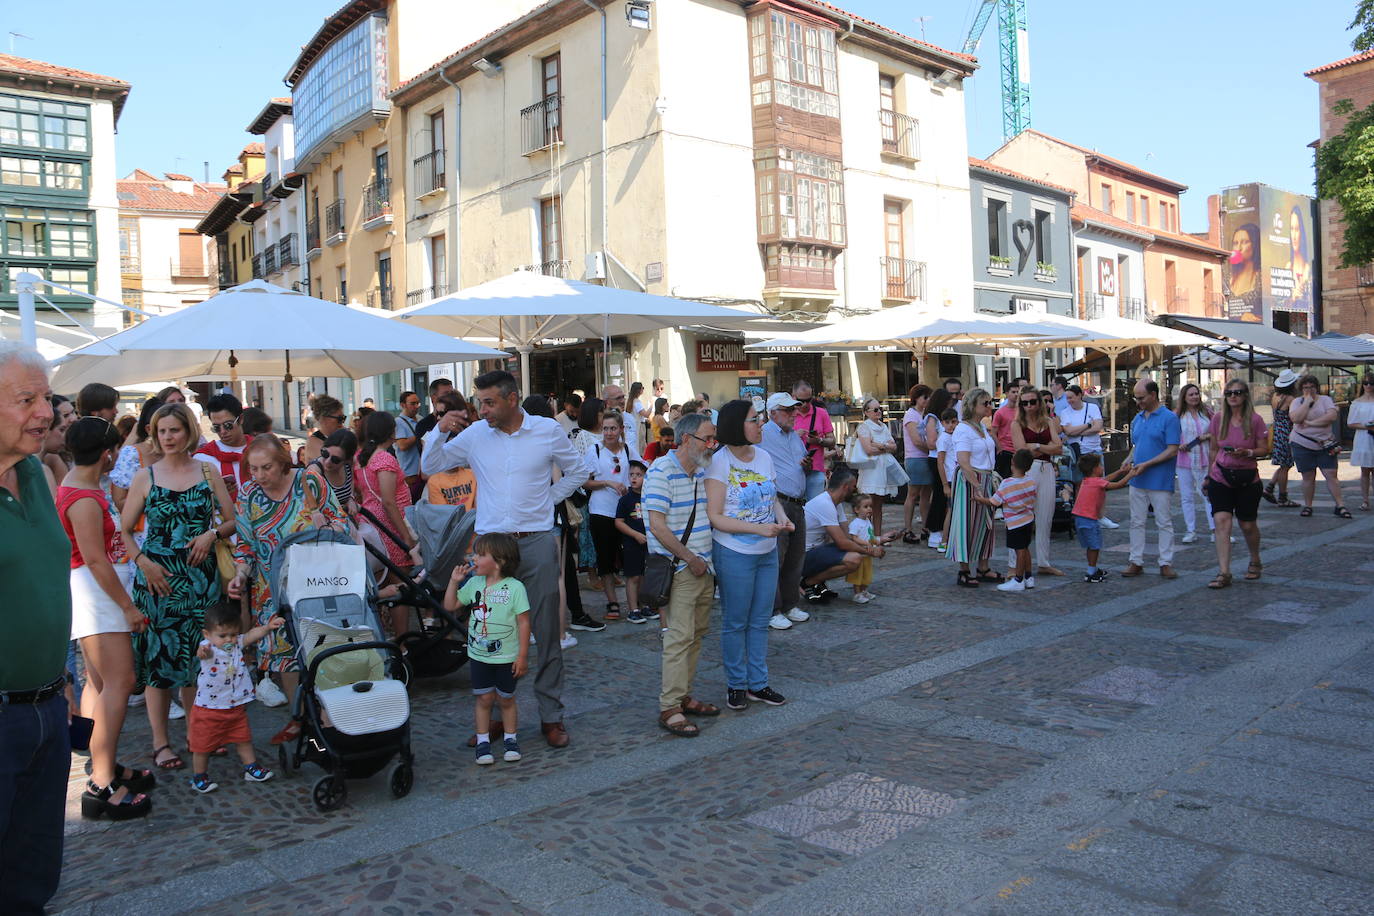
(352, 701)
(439, 646)
(1065, 492)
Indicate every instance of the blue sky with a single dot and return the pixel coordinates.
(1208, 93)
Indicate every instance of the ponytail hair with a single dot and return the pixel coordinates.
(378, 427)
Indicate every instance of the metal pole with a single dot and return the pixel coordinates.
(525, 350)
(28, 316)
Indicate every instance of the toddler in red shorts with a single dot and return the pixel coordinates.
(223, 692)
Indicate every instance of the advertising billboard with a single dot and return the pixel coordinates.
(1271, 269)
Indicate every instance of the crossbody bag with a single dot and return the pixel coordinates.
(657, 586)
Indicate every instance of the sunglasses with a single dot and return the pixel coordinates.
(333, 459)
(224, 427)
(1030, 402)
(754, 419)
(335, 416)
(875, 410)
(1235, 393)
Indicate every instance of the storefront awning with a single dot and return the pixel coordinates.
(1261, 337)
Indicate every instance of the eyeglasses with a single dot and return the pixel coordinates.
(708, 440)
(615, 464)
(224, 427)
(754, 419)
(1235, 393)
(875, 410)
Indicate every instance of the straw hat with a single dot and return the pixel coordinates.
(1286, 379)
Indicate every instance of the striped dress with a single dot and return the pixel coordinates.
(970, 528)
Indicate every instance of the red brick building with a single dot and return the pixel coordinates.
(1347, 301)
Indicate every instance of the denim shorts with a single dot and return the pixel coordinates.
(919, 471)
(488, 677)
(820, 558)
(1089, 533)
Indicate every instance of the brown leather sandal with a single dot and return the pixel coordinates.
(1254, 571)
(697, 708)
(1223, 580)
(681, 728)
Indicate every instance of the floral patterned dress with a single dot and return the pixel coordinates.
(1280, 455)
(263, 523)
(165, 653)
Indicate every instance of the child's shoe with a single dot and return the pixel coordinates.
(512, 750)
(1029, 581)
(650, 613)
(861, 598)
(1099, 576)
(636, 615)
(256, 772)
(202, 784)
(484, 754)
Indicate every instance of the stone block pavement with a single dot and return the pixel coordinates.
(1138, 746)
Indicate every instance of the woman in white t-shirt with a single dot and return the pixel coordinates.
(970, 530)
(746, 518)
(1081, 423)
(1314, 445)
(916, 459)
(609, 462)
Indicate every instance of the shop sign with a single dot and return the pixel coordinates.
(721, 356)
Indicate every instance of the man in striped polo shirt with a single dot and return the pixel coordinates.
(674, 488)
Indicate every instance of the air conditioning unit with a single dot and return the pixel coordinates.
(596, 266)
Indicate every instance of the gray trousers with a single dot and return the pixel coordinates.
(791, 555)
(539, 574)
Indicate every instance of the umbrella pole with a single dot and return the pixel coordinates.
(524, 352)
(1111, 384)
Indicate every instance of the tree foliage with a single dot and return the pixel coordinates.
(1345, 161)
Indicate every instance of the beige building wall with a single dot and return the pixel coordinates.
(1037, 156)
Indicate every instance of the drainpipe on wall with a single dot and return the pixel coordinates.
(604, 217)
(460, 370)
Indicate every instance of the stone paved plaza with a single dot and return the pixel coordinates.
(1139, 746)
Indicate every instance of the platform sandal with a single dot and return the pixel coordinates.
(133, 779)
(95, 803)
(613, 611)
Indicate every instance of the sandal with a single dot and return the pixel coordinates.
(95, 803)
(1285, 502)
(1268, 494)
(967, 580)
(290, 732)
(173, 762)
(682, 728)
(135, 780)
(697, 708)
(1254, 571)
(909, 538)
(987, 575)
(1306, 512)
(1343, 512)
(1223, 580)
(613, 611)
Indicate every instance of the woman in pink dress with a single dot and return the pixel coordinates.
(379, 486)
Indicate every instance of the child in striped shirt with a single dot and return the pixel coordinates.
(1016, 496)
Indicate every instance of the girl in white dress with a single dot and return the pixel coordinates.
(883, 476)
(1361, 420)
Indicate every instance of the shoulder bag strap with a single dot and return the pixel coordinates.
(692, 517)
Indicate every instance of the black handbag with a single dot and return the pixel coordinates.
(657, 585)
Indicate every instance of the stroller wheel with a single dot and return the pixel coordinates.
(401, 779)
(330, 792)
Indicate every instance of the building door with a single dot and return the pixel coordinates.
(894, 246)
(551, 69)
(438, 265)
(381, 169)
(1084, 283)
(551, 236)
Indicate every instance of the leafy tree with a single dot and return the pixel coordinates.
(1345, 162)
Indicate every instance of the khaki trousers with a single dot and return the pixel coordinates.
(688, 616)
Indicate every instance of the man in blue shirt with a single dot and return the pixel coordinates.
(1058, 390)
(789, 454)
(1155, 435)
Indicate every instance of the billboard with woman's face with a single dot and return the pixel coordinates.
(1271, 268)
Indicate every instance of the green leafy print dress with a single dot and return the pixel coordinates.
(165, 653)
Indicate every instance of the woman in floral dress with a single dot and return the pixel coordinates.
(175, 577)
(277, 501)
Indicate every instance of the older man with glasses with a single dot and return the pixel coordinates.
(1155, 436)
(790, 461)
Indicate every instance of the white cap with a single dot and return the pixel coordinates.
(781, 399)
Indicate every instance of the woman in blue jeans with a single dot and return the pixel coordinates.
(746, 518)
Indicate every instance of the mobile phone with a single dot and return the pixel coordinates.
(1228, 448)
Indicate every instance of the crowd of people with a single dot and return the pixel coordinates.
(144, 546)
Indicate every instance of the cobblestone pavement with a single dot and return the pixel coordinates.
(1141, 746)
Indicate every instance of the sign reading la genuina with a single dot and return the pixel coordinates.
(721, 356)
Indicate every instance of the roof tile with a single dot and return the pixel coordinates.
(9, 62)
(1343, 62)
(1000, 170)
(143, 194)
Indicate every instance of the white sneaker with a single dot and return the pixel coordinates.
(269, 694)
(175, 711)
(935, 541)
(1011, 585)
(780, 622)
(1190, 537)
(568, 641)
(135, 700)
(1107, 523)
(797, 615)
(861, 598)
(1028, 582)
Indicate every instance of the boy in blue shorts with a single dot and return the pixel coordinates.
(498, 634)
(1087, 508)
(629, 521)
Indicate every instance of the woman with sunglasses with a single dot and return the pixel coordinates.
(916, 463)
(1233, 484)
(609, 461)
(1314, 446)
(970, 530)
(1194, 458)
(1361, 420)
(336, 464)
(878, 444)
(1037, 430)
(329, 416)
(746, 518)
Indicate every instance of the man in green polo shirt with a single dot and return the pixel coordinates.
(35, 625)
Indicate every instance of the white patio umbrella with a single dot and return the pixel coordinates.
(1113, 335)
(917, 328)
(524, 307)
(257, 329)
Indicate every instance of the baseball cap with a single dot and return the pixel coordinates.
(781, 399)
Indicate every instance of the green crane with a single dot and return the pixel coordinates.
(1013, 41)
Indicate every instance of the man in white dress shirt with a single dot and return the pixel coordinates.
(512, 455)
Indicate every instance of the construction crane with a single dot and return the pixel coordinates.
(1013, 41)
